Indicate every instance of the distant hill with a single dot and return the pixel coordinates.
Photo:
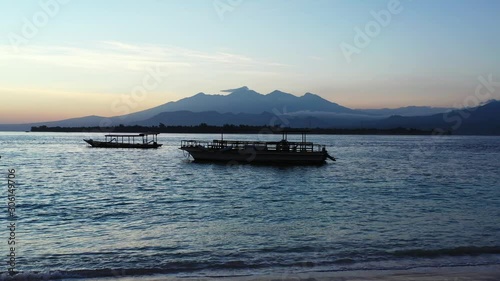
(407, 111)
(245, 100)
(243, 106)
(482, 120)
(240, 100)
(188, 118)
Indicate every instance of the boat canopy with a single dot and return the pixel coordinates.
(146, 137)
(130, 135)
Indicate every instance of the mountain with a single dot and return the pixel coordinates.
(188, 118)
(247, 107)
(481, 120)
(243, 100)
(238, 101)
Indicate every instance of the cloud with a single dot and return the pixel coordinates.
(90, 58)
(244, 88)
(114, 55)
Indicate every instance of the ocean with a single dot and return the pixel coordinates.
(388, 202)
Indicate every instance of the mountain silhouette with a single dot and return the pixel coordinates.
(407, 111)
(188, 118)
(243, 106)
(243, 100)
(481, 120)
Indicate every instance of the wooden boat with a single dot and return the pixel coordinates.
(281, 152)
(144, 140)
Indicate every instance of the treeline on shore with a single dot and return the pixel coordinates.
(203, 128)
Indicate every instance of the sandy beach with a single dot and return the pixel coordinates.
(468, 273)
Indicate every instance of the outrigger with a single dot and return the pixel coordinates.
(144, 140)
(280, 152)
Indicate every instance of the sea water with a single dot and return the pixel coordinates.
(388, 202)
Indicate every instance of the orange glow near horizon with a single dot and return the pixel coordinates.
(33, 106)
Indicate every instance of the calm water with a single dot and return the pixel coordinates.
(388, 202)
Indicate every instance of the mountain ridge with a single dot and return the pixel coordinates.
(247, 107)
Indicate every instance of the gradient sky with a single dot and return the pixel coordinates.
(84, 56)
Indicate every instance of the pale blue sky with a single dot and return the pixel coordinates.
(90, 55)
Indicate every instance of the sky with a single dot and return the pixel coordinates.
(70, 58)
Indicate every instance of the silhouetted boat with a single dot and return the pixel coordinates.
(258, 152)
(145, 140)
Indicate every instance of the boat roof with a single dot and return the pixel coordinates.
(131, 135)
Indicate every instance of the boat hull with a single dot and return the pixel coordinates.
(94, 143)
(201, 154)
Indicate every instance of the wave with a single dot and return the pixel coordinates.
(381, 260)
(458, 251)
(173, 268)
(229, 269)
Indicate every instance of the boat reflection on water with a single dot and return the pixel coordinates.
(281, 152)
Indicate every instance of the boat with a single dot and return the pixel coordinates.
(144, 140)
(257, 152)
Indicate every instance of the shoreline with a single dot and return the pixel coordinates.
(458, 273)
(241, 129)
